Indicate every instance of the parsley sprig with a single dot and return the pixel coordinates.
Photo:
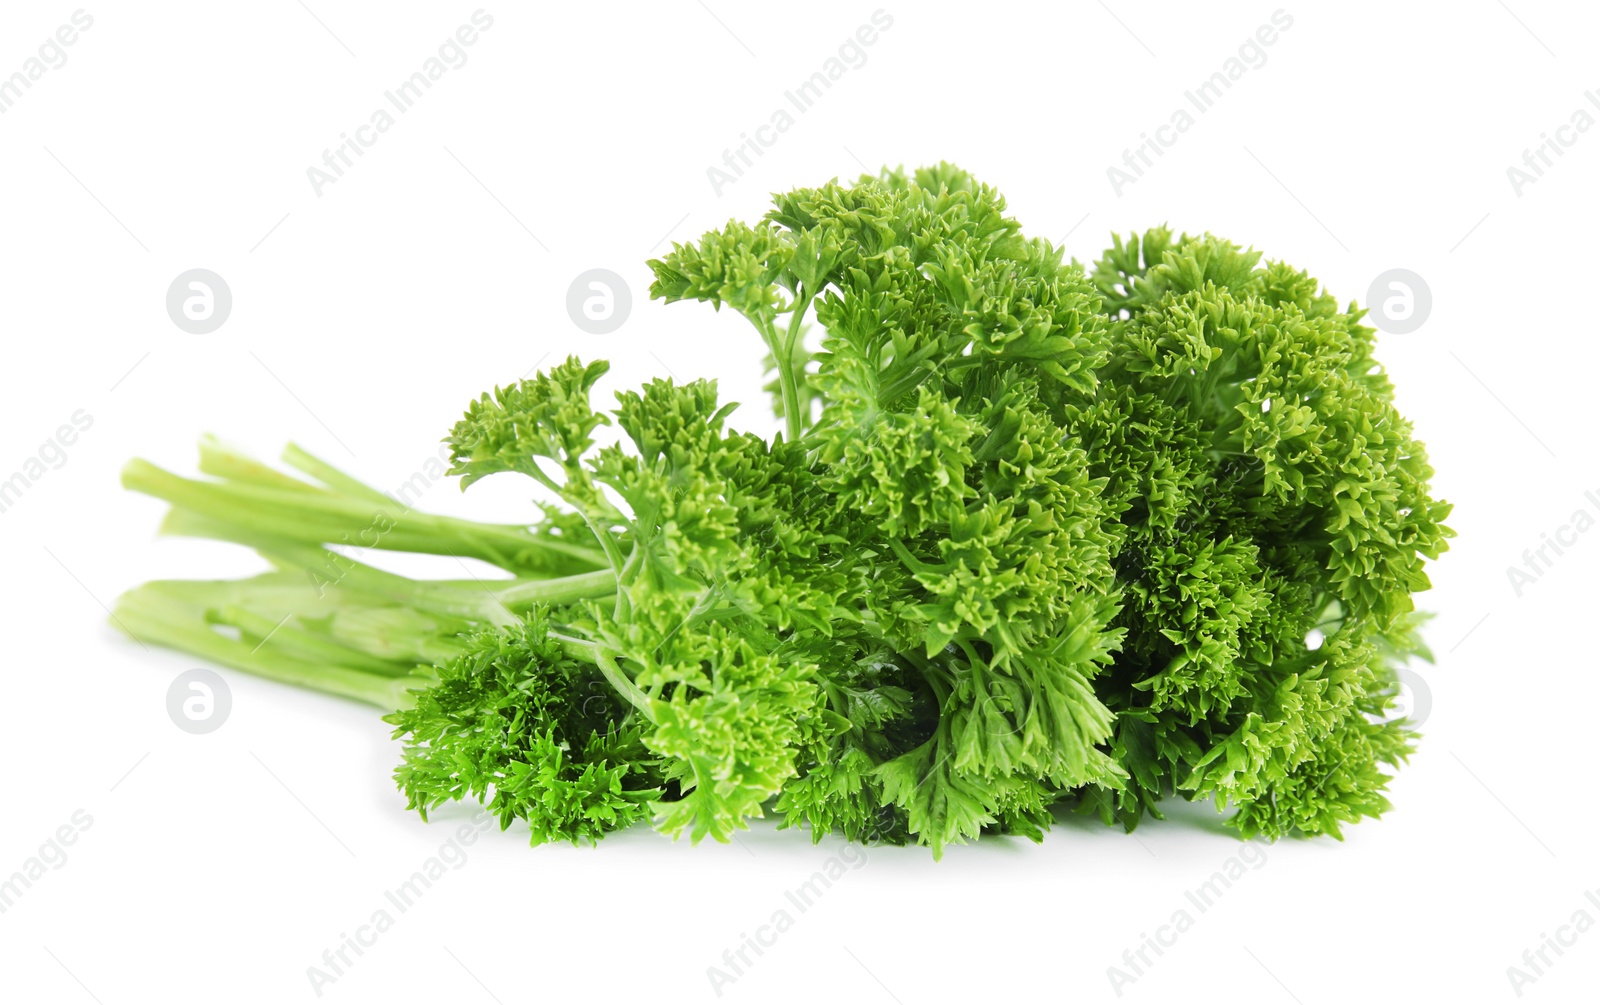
(1035, 538)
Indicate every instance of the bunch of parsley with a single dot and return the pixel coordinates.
(1034, 538)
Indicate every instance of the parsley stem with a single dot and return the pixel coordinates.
(788, 382)
(312, 516)
(584, 586)
(154, 619)
(619, 680)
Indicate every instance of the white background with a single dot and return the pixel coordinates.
(220, 867)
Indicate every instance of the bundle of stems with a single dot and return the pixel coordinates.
(322, 618)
